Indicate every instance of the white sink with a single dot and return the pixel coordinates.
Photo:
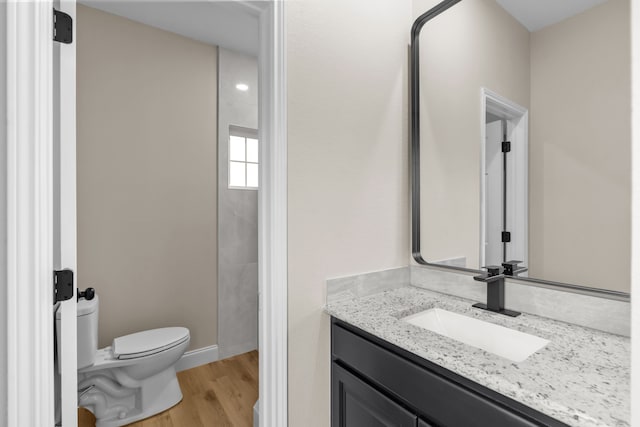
(508, 343)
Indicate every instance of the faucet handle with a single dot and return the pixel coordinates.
(493, 270)
(511, 267)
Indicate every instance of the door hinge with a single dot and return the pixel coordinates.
(506, 146)
(506, 237)
(62, 285)
(62, 27)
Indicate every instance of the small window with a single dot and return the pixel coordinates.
(243, 158)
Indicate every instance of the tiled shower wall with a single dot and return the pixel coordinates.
(237, 212)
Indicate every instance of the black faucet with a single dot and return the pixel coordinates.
(511, 268)
(494, 278)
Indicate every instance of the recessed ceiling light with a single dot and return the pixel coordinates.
(243, 87)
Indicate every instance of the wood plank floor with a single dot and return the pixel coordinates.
(218, 394)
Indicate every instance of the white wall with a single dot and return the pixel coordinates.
(348, 169)
(635, 212)
(3, 215)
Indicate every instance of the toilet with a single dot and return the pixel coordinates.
(130, 380)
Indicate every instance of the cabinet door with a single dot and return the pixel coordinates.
(357, 404)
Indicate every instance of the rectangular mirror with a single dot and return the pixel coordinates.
(521, 138)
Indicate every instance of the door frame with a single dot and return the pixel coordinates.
(272, 216)
(518, 127)
(29, 161)
(29, 233)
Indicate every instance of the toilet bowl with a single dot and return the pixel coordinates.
(133, 378)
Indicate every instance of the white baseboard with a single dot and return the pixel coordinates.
(256, 414)
(198, 357)
(236, 349)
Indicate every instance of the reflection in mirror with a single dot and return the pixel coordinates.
(503, 180)
(525, 138)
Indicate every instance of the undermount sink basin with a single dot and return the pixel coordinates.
(508, 343)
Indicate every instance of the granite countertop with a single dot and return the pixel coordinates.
(582, 377)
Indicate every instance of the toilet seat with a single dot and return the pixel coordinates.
(147, 343)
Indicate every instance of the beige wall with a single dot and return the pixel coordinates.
(146, 176)
(580, 173)
(472, 45)
(348, 169)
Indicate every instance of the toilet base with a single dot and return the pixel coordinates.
(116, 408)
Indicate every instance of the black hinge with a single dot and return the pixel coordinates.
(506, 237)
(62, 285)
(62, 27)
(506, 146)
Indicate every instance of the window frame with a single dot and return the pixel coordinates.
(246, 133)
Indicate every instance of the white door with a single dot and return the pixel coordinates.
(64, 217)
(494, 194)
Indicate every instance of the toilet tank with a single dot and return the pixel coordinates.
(87, 331)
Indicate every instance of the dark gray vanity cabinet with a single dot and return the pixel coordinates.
(375, 383)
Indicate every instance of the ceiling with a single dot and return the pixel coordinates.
(222, 23)
(537, 14)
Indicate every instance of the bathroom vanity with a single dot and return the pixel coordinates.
(364, 367)
(489, 189)
(386, 371)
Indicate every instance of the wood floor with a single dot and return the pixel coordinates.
(218, 394)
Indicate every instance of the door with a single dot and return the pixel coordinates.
(505, 192)
(357, 404)
(494, 177)
(64, 218)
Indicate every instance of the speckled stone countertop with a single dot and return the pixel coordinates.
(582, 377)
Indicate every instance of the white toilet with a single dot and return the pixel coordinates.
(132, 379)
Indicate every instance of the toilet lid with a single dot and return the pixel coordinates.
(149, 342)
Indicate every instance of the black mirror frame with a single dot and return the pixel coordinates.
(414, 107)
